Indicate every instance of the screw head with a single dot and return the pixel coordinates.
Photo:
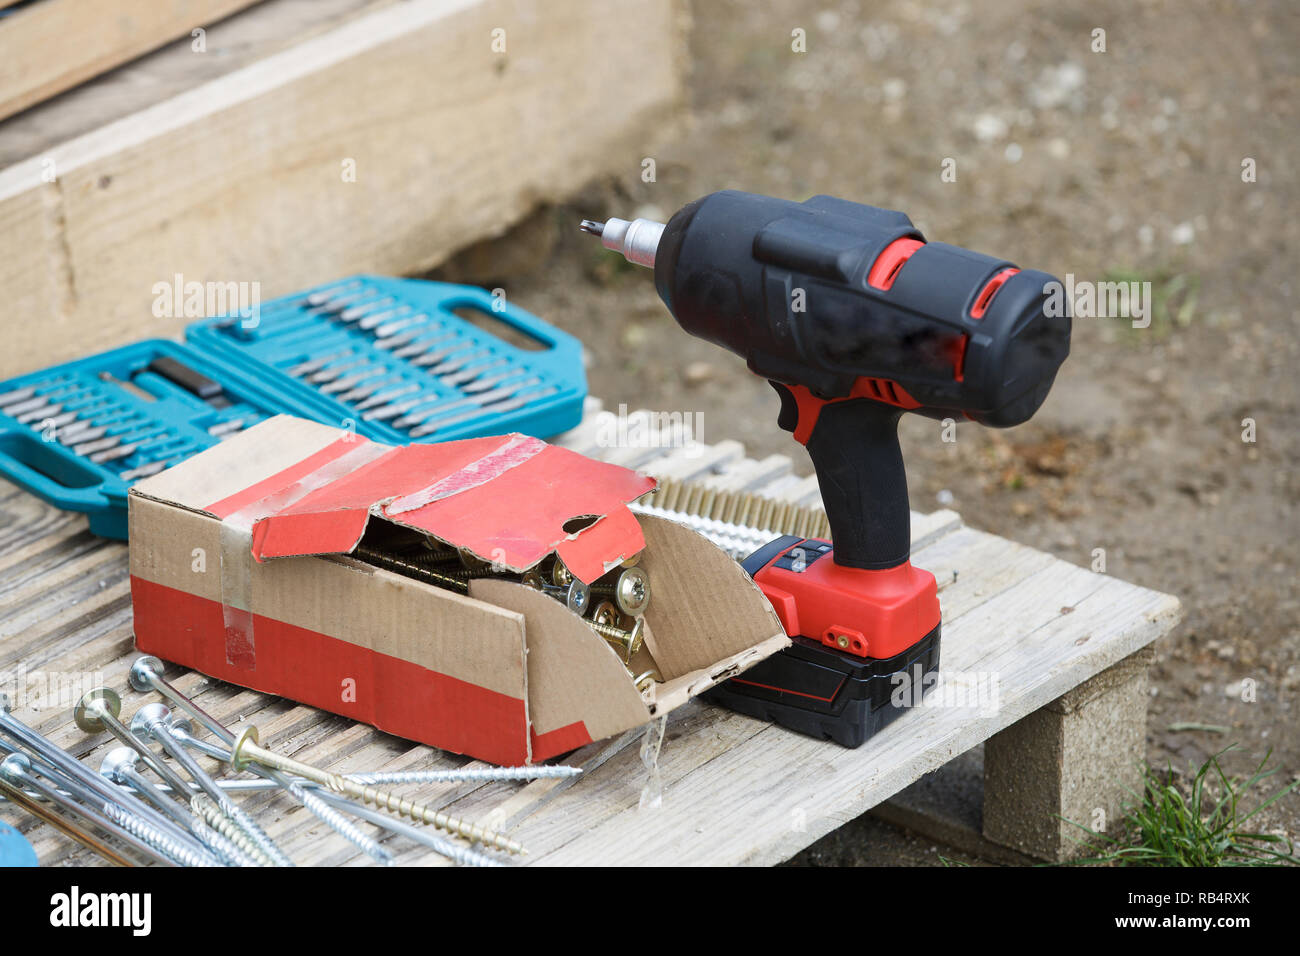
(6, 704)
(148, 715)
(606, 614)
(578, 597)
(15, 766)
(561, 576)
(93, 703)
(237, 760)
(117, 760)
(136, 675)
(533, 579)
(632, 592)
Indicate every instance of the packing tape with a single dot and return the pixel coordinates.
(509, 454)
(237, 547)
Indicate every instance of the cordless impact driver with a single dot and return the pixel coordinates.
(854, 319)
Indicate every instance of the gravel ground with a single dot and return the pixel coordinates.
(1124, 163)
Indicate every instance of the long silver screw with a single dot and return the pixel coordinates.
(146, 675)
(98, 711)
(207, 811)
(477, 775)
(165, 843)
(322, 810)
(453, 851)
(149, 841)
(246, 750)
(152, 720)
(74, 769)
(118, 765)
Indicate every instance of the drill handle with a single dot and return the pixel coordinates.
(854, 448)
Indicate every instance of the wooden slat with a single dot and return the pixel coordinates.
(241, 178)
(53, 45)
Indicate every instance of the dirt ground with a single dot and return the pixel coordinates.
(1124, 163)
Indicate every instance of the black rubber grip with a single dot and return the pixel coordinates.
(854, 449)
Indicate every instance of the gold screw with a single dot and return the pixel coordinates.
(628, 642)
(606, 613)
(631, 592)
(561, 576)
(246, 749)
(409, 568)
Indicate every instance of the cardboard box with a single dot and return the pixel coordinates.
(240, 569)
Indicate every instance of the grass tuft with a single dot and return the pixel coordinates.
(1166, 828)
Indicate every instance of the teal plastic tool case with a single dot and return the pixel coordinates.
(387, 358)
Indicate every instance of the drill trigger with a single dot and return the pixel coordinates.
(788, 418)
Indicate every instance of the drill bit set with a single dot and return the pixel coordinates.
(613, 606)
(152, 801)
(390, 359)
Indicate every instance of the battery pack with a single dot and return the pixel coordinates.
(828, 693)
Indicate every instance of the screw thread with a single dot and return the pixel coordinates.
(255, 833)
(340, 824)
(417, 811)
(211, 814)
(162, 842)
(222, 846)
(463, 776)
(410, 568)
(172, 744)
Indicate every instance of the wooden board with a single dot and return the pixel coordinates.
(53, 45)
(241, 179)
(734, 790)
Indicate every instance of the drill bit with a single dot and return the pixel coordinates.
(637, 240)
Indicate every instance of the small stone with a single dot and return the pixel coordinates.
(697, 373)
(1182, 234)
(989, 127)
(635, 336)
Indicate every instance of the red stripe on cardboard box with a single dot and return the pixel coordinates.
(392, 694)
(560, 741)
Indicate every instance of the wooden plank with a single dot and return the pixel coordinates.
(242, 179)
(53, 45)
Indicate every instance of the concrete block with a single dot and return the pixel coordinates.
(1076, 759)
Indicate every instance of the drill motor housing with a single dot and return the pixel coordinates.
(802, 293)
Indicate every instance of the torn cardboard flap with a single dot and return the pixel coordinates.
(510, 500)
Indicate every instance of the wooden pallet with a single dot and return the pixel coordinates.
(734, 789)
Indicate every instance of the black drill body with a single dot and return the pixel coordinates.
(855, 320)
(729, 265)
